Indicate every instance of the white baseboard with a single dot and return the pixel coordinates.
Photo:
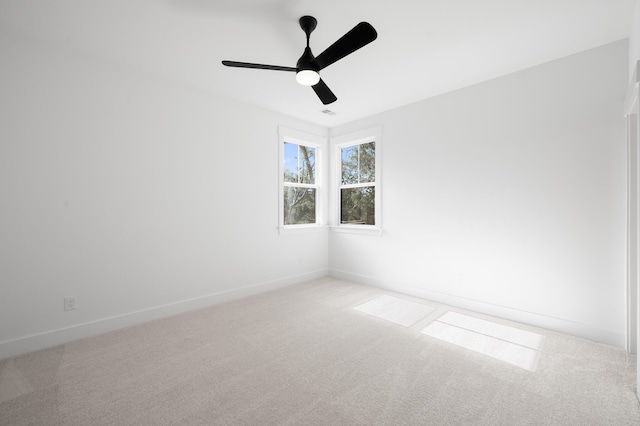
(60, 336)
(586, 331)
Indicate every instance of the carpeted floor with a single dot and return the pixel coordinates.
(304, 356)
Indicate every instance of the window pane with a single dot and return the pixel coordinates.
(299, 205)
(357, 205)
(359, 163)
(367, 162)
(349, 157)
(299, 163)
(307, 164)
(290, 162)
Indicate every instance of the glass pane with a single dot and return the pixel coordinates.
(299, 205)
(359, 163)
(357, 205)
(290, 162)
(349, 157)
(299, 163)
(307, 164)
(368, 162)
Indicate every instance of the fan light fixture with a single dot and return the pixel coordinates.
(307, 77)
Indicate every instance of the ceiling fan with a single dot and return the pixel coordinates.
(308, 66)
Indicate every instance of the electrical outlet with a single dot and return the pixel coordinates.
(70, 303)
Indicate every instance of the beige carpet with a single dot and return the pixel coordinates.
(304, 356)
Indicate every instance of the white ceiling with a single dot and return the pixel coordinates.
(424, 47)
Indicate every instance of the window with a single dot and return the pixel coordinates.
(300, 176)
(358, 184)
(357, 175)
(299, 192)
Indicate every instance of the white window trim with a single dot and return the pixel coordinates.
(337, 143)
(298, 137)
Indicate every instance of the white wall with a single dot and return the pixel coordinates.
(634, 127)
(634, 40)
(141, 197)
(508, 197)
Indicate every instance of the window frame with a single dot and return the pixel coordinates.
(345, 141)
(287, 135)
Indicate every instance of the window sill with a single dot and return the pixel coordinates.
(362, 230)
(301, 229)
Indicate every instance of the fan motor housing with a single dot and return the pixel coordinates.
(307, 61)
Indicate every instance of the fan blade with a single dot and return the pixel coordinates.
(359, 36)
(257, 66)
(324, 93)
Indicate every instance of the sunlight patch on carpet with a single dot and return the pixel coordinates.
(396, 310)
(509, 344)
